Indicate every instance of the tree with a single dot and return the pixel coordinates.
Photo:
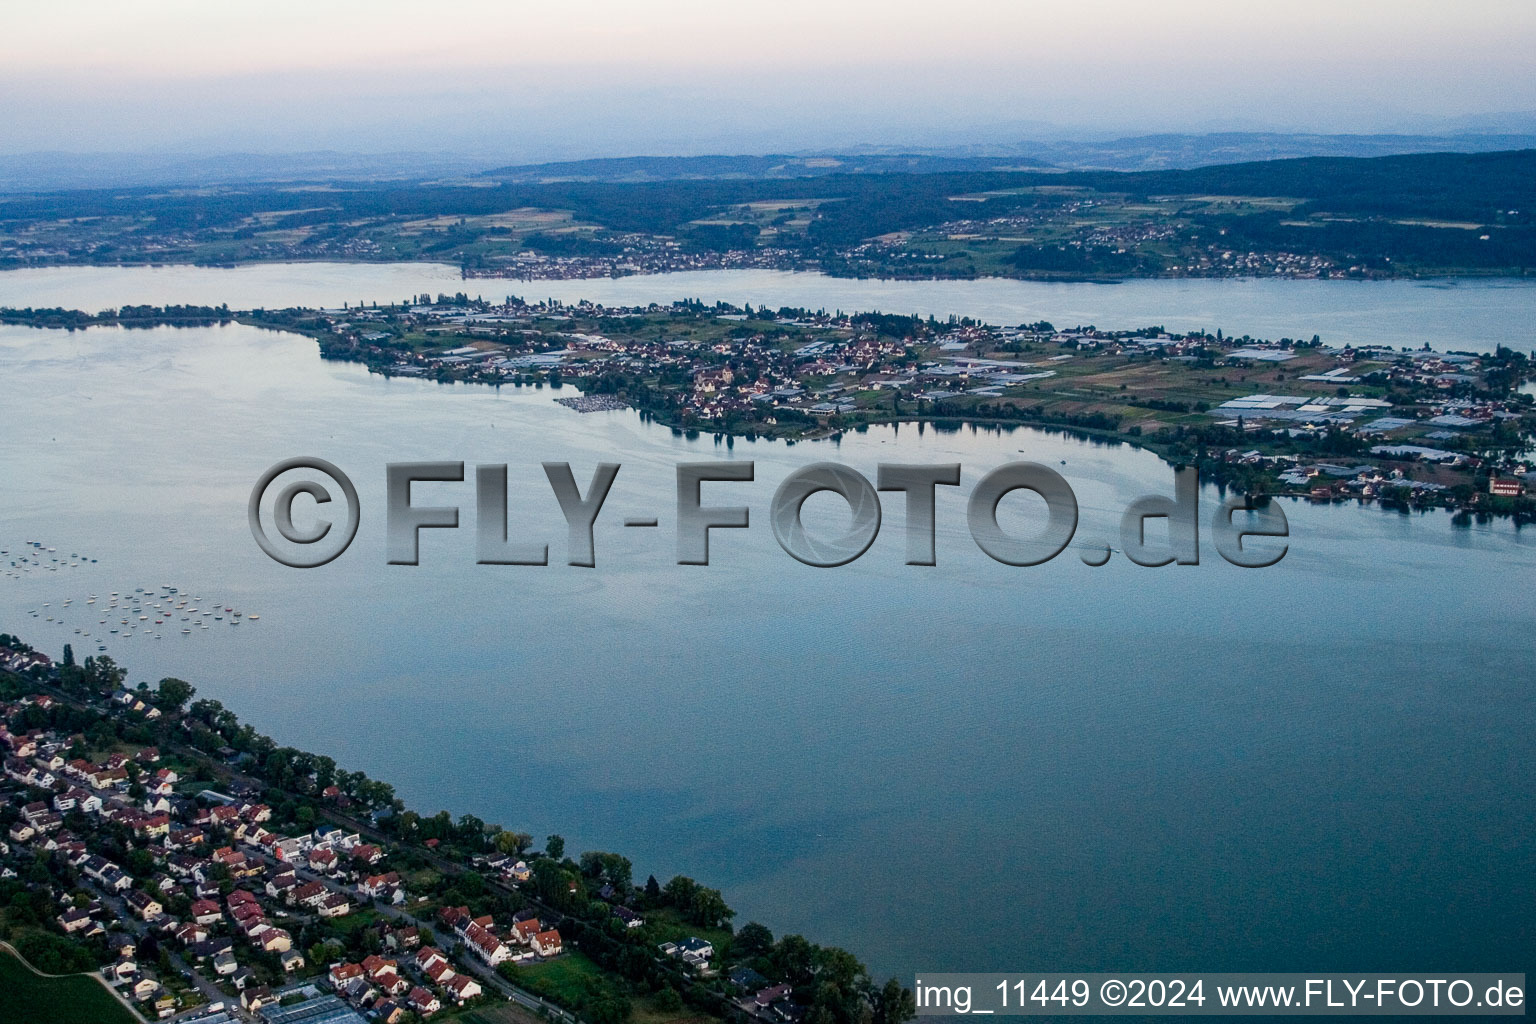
(893, 1004)
(679, 891)
(470, 831)
(554, 847)
(794, 959)
(839, 967)
(173, 694)
(69, 656)
(708, 909)
(612, 868)
(752, 940)
(103, 674)
(514, 844)
(325, 771)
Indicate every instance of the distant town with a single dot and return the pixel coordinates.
(198, 870)
(1419, 215)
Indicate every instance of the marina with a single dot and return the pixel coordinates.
(143, 612)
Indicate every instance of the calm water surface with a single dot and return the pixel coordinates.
(1323, 765)
(1465, 314)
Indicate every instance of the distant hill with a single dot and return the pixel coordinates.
(636, 169)
(1167, 152)
(1435, 212)
(53, 171)
(1136, 153)
(46, 172)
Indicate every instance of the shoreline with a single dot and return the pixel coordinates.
(215, 750)
(1448, 277)
(1172, 447)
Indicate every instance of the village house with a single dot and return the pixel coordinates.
(146, 906)
(462, 988)
(423, 1001)
(334, 905)
(546, 943)
(484, 944)
(340, 974)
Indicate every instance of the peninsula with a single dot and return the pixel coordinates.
(1287, 416)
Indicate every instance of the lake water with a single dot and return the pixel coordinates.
(1469, 314)
(1321, 765)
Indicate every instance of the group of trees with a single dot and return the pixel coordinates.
(127, 316)
(698, 904)
(211, 727)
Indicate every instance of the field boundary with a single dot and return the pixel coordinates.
(7, 947)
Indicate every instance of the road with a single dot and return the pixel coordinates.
(485, 974)
(127, 917)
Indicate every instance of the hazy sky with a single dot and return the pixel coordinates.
(590, 77)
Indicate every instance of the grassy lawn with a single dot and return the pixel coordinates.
(503, 1013)
(666, 925)
(645, 1013)
(349, 924)
(562, 980)
(69, 1000)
